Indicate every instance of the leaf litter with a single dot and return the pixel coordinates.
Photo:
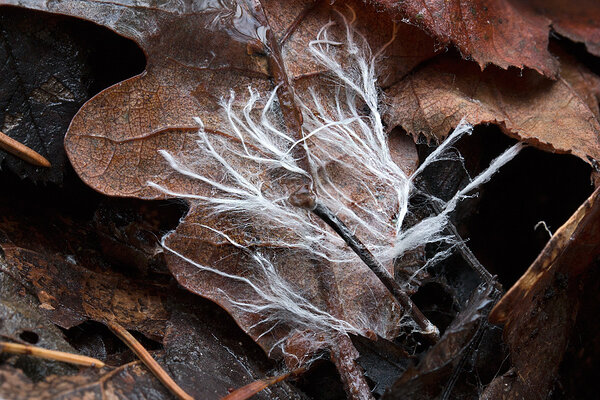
(241, 232)
(249, 136)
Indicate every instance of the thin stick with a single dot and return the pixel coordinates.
(18, 149)
(251, 389)
(147, 359)
(16, 348)
(429, 329)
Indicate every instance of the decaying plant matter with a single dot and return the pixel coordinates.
(306, 216)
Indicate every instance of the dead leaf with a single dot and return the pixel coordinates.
(59, 258)
(540, 310)
(499, 32)
(503, 32)
(129, 380)
(22, 321)
(201, 346)
(577, 20)
(583, 81)
(526, 106)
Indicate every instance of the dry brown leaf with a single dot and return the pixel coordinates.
(577, 20)
(500, 32)
(503, 32)
(550, 115)
(583, 81)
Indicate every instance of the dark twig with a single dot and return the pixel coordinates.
(429, 330)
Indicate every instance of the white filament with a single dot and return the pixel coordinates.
(343, 130)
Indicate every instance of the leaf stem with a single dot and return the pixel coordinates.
(429, 329)
(16, 348)
(18, 149)
(147, 359)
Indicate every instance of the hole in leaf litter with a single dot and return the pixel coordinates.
(536, 186)
(322, 382)
(436, 303)
(94, 339)
(29, 337)
(110, 58)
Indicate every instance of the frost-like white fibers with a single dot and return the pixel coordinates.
(352, 172)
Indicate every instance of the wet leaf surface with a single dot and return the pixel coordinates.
(60, 260)
(201, 342)
(154, 111)
(76, 259)
(22, 321)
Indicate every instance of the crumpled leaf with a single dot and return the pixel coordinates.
(525, 105)
(47, 74)
(540, 309)
(113, 140)
(576, 20)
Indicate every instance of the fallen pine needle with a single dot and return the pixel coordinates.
(23, 152)
(147, 359)
(15, 348)
(253, 388)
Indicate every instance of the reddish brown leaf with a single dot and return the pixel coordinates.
(550, 115)
(583, 81)
(499, 32)
(577, 20)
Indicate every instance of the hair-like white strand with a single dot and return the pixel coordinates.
(337, 133)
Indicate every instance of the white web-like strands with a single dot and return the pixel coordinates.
(245, 173)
